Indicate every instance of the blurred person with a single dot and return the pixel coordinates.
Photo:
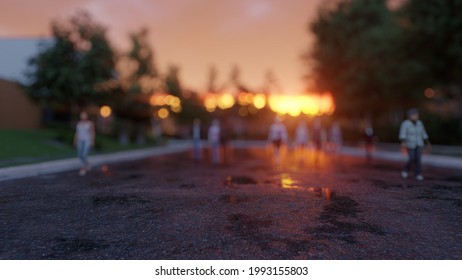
(225, 137)
(335, 137)
(318, 134)
(413, 137)
(84, 139)
(197, 143)
(214, 138)
(369, 140)
(301, 139)
(277, 136)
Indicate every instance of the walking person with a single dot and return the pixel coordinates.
(369, 141)
(335, 136)
(277, 136)
(413, 137)
(84, 139)
(318, 134)
(197, 143)
(214, 140)
(301, 139)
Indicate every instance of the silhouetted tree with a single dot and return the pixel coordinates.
(172, 81)
(138, 80)
(77, 67)
(433, 29)
(360, 57)
(212, 79)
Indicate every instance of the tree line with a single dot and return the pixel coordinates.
(80, 68)
(379, 61)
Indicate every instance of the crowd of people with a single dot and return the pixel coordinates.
(317, 136)
(412, 135)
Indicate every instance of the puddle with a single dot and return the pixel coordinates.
(156, 210)
(246, 224)
(333, 227)
(288, 183)
(386, 167)
(456, 189)
(133, 176)
(431, 195)
(240, 180)
(386, 185)
(187, 186)
(101, 184)
(233, 199)
(457, 178)
(324, 192)
(340, 206)
(117, 200)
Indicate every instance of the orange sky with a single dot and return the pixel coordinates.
(256, 35)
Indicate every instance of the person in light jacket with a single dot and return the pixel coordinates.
(214, 135)
(277, 135)
(302, 139)
(413, 138)
(197, 142)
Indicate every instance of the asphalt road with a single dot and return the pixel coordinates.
(170, 207)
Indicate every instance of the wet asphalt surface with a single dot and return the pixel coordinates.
(170, 207)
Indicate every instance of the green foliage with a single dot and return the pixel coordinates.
(77, 67)
(434, 32)
(377, 62)
(192, 108)
(29, 146)
(172, 81)
(138, 79)
(360, 57)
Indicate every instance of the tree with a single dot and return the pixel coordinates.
(271, 83)
(77, 68)
(359, 57)
(433, 30)
(172, 81)
(212, 79)
(235, 79)
(138, 81)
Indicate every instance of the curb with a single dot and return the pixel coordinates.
(50, 167)
(42, 168)
(430, 160)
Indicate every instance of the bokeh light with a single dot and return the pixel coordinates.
(163, 113)
(259, 101)
(226, 101)
(105, 111)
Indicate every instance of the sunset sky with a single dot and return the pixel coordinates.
(256, 35)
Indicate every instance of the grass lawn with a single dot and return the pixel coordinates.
(31, 146)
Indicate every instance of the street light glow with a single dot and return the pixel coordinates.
(259, 101)
(163, 113)
(105, 111)
(226, 101)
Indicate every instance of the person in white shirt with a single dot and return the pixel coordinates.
(302, 139)
(413, 137)
(214, 140)
(277, 136)
(84, 139)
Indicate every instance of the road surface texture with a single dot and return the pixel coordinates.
(170, 207)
